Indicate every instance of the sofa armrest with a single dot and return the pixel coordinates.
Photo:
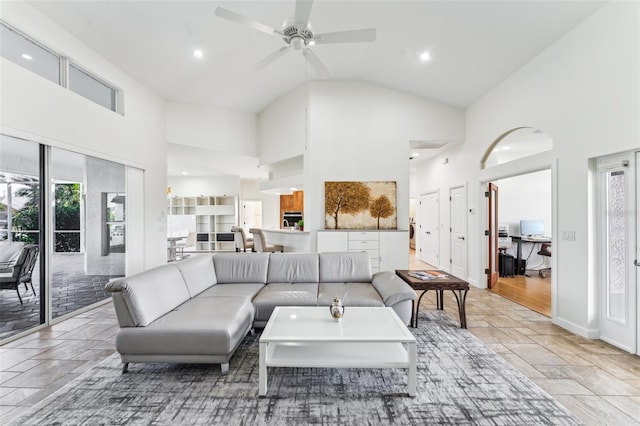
(392, 288)
(116, 288)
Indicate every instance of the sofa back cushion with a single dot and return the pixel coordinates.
(345, 267)
(198, 273)
(293, 268)
(241, 267)
(151, 294)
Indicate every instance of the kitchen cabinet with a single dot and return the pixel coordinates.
(291, 203)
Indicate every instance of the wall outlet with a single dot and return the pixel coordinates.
(569, 235)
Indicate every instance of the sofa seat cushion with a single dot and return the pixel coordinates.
(352, 294)
(248, 291)
(293, 268)
(201, 326)
(240, 268)
(284, 294)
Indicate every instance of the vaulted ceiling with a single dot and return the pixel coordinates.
(473, 44)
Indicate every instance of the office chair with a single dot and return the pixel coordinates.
(545, 250)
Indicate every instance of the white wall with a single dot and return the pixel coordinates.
(525, 197)
(250, 191)
(38, 109)
(212, 128)
(282, 127)
(361, 132)
(194, 186)
(583, 91)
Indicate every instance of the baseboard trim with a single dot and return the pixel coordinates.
(473, 282)
(589, 333)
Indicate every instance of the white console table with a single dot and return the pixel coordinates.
(388, 250)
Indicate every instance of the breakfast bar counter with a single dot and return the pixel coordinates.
(291, 239)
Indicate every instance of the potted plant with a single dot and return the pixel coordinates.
(301, 225)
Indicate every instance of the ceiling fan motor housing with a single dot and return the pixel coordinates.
(297, 38)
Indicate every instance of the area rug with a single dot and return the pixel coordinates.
(460, 381)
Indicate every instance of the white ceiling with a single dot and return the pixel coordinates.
(474, 45)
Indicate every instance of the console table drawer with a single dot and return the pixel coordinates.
(364, 245)
(363, 236)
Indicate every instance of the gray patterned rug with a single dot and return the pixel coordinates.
(460, 381)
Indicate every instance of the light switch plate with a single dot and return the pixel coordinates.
(569, 235)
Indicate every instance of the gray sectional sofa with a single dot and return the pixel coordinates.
(199, 310)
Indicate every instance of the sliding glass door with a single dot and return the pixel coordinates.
(81, 242)
(21, 305)
(88, 249)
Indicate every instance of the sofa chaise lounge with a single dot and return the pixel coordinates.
(200, 309)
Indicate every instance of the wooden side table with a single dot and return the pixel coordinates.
(439, 284)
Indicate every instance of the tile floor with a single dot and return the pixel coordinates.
(597, 382)
(71, 289)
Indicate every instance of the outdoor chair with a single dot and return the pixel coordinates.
(19, 271)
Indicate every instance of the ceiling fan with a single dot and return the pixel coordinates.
(299, 36)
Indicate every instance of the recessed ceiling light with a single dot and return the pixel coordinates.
(27, 57)
(425, 56)
(293, 188)
(198, 54)
(184, 173)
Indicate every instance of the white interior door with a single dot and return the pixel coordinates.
(617, 216)
(458, 234)
(251, 215)
(429, 228)
(636, 261)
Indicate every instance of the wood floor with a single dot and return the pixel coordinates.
(533, 292)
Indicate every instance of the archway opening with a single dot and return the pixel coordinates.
(515, 144)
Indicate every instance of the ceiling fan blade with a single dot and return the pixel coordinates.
(353, 36)
(271, 58)
(317, 64)
(303, 10)
(242, 20)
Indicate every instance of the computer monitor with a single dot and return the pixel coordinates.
(531, 227)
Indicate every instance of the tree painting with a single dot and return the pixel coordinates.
(381, 208)
(346, 198)
(361, 205)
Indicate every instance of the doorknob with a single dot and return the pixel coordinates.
(428, 232)
(461, 238)
(635, 262)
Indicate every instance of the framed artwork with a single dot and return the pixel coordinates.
(360, 205)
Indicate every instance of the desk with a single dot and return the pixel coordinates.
(439, 285)
(519, 239)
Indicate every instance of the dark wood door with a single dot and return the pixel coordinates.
(492, 233)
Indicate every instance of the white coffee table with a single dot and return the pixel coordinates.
(309, 337)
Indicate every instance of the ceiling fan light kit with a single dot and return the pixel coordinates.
(299, 36)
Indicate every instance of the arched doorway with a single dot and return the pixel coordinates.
(520, 220)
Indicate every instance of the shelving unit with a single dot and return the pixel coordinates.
(214, 217)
